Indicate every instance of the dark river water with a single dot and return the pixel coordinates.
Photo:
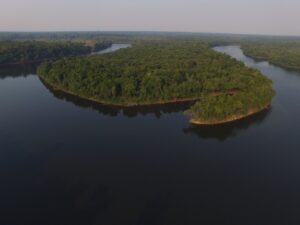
(67, 161)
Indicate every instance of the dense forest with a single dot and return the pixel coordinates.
(14, 52)
(284, 54)
(161, 71)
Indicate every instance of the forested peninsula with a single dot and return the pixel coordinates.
(165, 71)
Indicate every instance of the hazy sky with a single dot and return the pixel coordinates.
(226, 16)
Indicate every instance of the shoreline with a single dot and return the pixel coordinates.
(263, 59)
(197, 122)
(230, 119)
(128, 105)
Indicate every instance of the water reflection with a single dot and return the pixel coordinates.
(113, 111)
(18, 70)
(219, 132)
(225, 131)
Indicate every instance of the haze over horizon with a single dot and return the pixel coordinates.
(269, 17)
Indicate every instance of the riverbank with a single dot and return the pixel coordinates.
(194, 121)
(281, 55)
(282, 65)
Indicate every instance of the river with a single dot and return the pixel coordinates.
(113, 48)
(68, 161)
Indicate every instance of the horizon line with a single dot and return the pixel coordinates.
(149, 31)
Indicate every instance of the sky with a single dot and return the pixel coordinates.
(275, 17)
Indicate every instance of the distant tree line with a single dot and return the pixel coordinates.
(13, 52)
(285, 54)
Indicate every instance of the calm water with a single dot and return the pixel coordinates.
(67, 161)
(113, 48)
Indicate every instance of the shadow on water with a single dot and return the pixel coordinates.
(113, 111)
(225, 131)
(18, 70)
(219, 132)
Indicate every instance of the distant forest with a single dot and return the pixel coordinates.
(14, 52)
(284, 54)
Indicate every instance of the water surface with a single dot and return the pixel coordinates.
(113, 48)
(68, 161)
